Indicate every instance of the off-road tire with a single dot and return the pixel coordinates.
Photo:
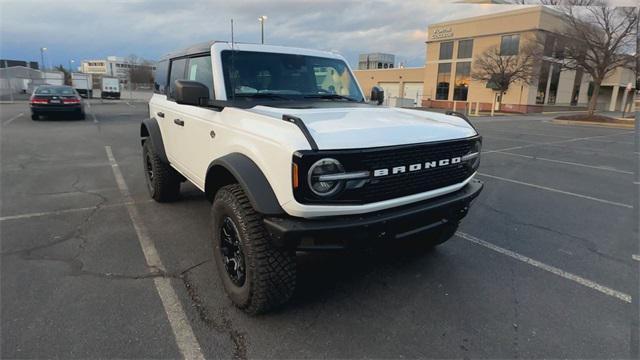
(164, 182)
(270, 272)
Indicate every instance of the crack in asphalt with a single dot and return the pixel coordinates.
(77, 233)
(516, 314)
(589, 244)
(222, 324)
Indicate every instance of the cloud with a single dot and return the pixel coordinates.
(95, 29)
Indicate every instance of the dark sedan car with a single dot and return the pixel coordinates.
(51, 99)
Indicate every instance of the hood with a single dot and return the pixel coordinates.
(374, 126)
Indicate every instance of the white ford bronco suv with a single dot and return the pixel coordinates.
(293, 158)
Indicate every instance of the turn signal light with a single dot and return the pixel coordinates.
(71, 101)
(39, 101)
(295, 179)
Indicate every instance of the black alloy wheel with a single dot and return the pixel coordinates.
(231, 251)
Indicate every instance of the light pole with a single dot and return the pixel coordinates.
(262, 19)
(42, 50)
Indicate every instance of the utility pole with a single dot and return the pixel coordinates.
(42, 50)
(6, 67)
(262, 19)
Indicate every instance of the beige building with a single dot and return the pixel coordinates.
(407, 83)
(453, 46)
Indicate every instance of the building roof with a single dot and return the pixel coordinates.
(526, 9)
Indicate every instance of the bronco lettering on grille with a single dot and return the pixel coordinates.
(416, 167)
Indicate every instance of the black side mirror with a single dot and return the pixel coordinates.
(377, 94)
(191, 92)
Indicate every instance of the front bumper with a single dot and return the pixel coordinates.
(338, 232)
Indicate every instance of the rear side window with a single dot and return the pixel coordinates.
(177, 73)
(199, 70)
(160, 77)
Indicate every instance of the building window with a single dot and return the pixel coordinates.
(446, 50)
(461, 86)
(549, 43)
(542, 82)
(510, 45)
(465, 49)
(444, 76)
(577, 82)
(553, 86)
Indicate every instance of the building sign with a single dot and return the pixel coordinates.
(442, 33)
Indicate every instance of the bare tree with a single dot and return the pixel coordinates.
(67, 74)
(598, 40)
(139, 70)
(499, 71)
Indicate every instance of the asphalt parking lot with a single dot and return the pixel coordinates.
(541, 267)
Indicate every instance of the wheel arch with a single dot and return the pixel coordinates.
(150, 130)
(238, 168)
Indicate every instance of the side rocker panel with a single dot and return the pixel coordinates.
(153, 133)
(252, 180)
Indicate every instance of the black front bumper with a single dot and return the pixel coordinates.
(338, 232)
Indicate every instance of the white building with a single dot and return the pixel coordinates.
(111, 66)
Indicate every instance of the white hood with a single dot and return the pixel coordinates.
(362, 127)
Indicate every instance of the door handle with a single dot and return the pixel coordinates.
(161, 114)
(178, 122)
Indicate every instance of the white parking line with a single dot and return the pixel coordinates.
(554, 270)
(548, 135)
(556, 142)
(95, 120)
(7, 122)
(604, 168)
(185, 338)
(59, 212)
(557, 191)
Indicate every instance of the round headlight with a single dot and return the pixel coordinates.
(321, 167)
(475, 150)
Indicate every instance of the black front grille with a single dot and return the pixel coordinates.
(397, 185)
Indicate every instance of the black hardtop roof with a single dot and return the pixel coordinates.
(193, 49)
(53, 86)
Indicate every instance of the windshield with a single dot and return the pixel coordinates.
(287, 76)
(60, 90)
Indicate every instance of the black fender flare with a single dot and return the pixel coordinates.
(150, 130)
(251, 179)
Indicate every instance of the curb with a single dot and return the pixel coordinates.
(592, 123)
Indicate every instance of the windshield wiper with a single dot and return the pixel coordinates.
(329, 96)
(263, 96)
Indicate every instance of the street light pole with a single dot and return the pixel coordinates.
(262, 20)
(42, 50)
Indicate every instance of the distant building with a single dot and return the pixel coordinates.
(6, 63)
(376, 61)
(111, 66)
(453, 47)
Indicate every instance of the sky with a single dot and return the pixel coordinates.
(80, 30)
